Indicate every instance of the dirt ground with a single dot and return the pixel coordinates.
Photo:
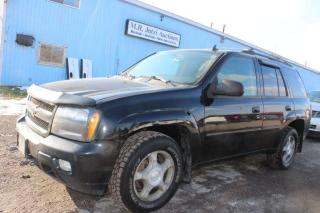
(239, 185)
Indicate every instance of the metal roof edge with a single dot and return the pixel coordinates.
(211, 30)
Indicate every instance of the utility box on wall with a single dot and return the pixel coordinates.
(25, 40)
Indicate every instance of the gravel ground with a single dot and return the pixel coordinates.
(238, 185)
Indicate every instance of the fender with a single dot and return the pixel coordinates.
(191, 135)
(298, 115)
(138, 121)
(290, 117)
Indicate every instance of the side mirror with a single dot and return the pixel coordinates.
(226, 88)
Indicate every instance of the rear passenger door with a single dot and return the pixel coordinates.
(276, 101)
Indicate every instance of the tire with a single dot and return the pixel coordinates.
(277, 160)
(143, 151)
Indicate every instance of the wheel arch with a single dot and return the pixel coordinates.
(180, 126)
(299, 126)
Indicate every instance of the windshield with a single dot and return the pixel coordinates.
(315, 96)
(184, 67)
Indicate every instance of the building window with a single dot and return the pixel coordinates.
(53, 55)
(71, 3)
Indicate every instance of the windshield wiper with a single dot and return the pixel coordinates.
(155, 77)
(126, 75)
(149, 78)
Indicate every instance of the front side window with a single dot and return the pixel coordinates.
(72, 3)
(184, 67)
(240, 69)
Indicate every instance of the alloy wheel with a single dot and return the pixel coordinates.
(153, 176)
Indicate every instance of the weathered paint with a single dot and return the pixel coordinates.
(95, 32)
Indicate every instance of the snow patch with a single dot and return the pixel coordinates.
(199, 188)
(12, 106)
(226, 174)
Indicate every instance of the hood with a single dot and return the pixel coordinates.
(105, 88)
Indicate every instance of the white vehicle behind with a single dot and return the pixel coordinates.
(314, 129)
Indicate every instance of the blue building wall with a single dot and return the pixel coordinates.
(96, 32)
(82, 30)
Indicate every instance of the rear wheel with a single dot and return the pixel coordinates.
(147, 172)
(286, 151)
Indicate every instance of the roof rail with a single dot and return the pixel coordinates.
(273, 57)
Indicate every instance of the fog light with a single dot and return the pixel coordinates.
(64, 165)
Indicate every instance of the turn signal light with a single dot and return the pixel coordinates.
(93, 125)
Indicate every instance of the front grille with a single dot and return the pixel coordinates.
(39, 115)
(42, 105)
(43, 124)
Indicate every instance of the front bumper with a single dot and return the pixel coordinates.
(91, 163)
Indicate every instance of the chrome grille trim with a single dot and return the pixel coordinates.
(39, 115)
(43, 105)
(39, 122)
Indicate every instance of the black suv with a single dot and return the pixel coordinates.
(140, 133)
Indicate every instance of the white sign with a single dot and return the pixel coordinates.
(148, 32)
(73, 68)
(86, 66)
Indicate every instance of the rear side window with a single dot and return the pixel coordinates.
(270, 81)
(273, 82)
(282, 85)
(296, 85)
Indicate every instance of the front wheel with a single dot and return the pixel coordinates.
(286, 151)
(147, 172)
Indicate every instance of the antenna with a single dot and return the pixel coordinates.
(224, 28)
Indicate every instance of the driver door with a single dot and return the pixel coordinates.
(233, 124)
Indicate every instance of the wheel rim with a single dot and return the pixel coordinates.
(153, 176)
(288, 150)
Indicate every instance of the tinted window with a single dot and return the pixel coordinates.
(282, 87)
(240, 69)
(270, 81)
(184, 67)
(296, 85)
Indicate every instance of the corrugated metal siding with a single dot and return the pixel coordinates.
(82, 30)
(96, 32)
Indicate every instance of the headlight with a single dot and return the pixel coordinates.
(75, 123)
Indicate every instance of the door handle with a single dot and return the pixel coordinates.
(288, 108)
(256, 109)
